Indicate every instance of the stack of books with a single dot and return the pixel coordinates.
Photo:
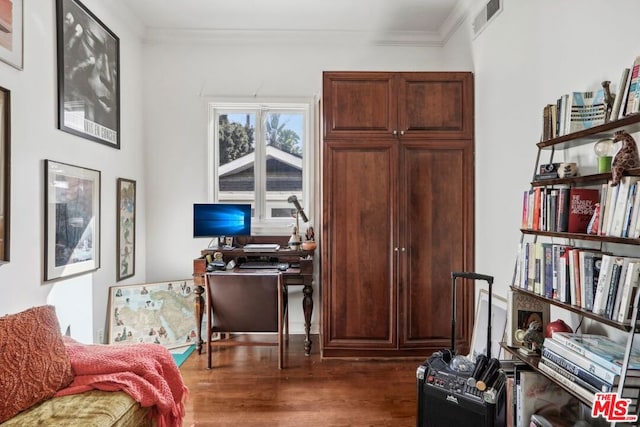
(588, 364)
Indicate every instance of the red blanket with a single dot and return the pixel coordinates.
(147, 372)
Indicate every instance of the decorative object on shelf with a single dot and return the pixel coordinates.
(557, 326)
(604, 149)
(126, 226)
(88, 75)
(626, 157)
(567, 170)
(72, 220)
(532, 337)
(608, 100)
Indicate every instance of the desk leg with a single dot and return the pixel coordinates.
(307, 307)
(199, 311)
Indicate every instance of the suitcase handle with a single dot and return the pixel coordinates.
(473, 276)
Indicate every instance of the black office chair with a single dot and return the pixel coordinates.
(254, 301)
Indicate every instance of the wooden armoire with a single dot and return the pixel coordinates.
(398, 212)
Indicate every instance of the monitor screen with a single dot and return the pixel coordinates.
(221, 219)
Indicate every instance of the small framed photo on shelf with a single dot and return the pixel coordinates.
(72, 220)
(528, 318)
(126, 229)
(12, 34)
(88, 75)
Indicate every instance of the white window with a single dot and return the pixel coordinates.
(259, 154)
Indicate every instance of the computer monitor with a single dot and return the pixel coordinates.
(215, 220)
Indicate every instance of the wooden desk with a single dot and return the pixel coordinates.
(302, 276)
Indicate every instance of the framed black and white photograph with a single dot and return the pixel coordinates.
(5, 172)
(126, 228)
(11, 32)
(88, 75)
(72, 220)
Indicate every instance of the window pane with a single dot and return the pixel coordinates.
(236, 157)
(284, 141)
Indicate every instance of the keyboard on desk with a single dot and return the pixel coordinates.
(264, 265)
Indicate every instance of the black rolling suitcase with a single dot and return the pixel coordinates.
(450, 395)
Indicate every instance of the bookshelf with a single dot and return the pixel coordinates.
(548, 148)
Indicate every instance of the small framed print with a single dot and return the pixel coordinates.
(72, 220)
(88, 75)
(126, 228)
(11, 32)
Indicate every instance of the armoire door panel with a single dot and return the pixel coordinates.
(434, 105)
(360, 198)
(437, 191)
(362, 104)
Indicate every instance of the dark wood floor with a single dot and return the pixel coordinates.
(245, 388)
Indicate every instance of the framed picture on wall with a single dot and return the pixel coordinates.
(11, 32)
(72, 220)
(126, 228)
(5, 172)
(88, 75)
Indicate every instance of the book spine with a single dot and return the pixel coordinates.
(568, 375)
(607, 364)
(601, 372)
(584, 394)
(573, 369)
(629, 290)
(613, 287)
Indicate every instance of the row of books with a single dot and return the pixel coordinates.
(595, 281)
(561, 209)
(588, 364)
(572, 210)
(620, 209)
(581, 110)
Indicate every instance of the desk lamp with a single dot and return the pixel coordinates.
(295, 241)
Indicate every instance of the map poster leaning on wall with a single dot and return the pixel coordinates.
(161, 313)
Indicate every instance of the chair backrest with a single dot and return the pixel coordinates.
(244, 302)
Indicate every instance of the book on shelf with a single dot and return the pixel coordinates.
(535, 392)
(620, 210)
(634, 223)
(600, 372)
(573, 378)
(589, 273)
(522, 309)
(582, 202)
(630, 206)
(629, 290)
(600, 349)
(621, 90)
(613, 287)
(633, 92)
(587, 110)
(562, 216)
(604, 281)
(622, 283)
(583, 393)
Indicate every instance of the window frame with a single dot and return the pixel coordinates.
(260, 224)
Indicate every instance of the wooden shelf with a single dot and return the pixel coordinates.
(581, 236)
(630, 123)
(581, 180)
(575, 309)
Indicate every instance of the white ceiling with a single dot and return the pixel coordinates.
(427, 21)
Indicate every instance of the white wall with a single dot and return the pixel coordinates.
(80, 301)
(531, 54)
(182, 77)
